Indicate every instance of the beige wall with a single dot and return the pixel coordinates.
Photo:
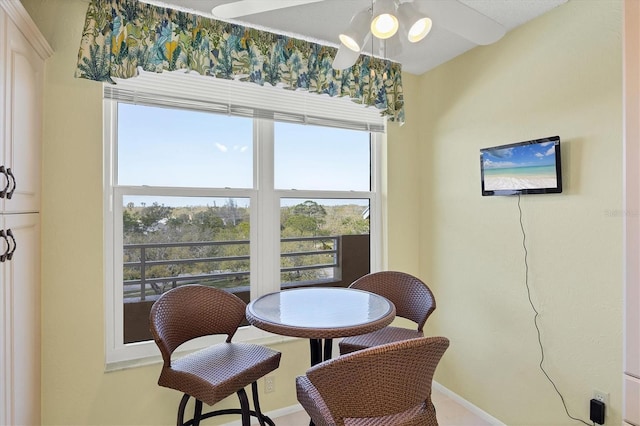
(403, 169)
(557, 75)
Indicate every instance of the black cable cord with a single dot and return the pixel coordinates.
(535, 318)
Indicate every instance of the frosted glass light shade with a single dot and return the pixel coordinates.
(384, 23)
(355, 35)
(415, 24)
(419, 30)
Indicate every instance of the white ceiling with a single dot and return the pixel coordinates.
(324, 20)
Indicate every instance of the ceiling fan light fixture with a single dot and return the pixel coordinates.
(419, 30)
(384, 23)
(416, 24)
(345, 58)
(354, 37)
(349, 42)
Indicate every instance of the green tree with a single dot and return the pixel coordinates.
(151, 216)
(208, 221)
(131, 221)
(306, 218)
(311, 209)
(303, 225)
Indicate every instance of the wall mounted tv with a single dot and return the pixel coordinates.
(529, 167)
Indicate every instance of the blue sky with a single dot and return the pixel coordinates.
(540, 154)
(180, 148)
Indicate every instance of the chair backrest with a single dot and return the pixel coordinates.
(412, 297)
(379, 381)
(192, 311)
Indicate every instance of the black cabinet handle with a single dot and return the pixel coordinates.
(13, 179)
(3, 192)
(13, 250)
(3, 256)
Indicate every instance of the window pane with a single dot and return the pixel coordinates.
(173, 241)
(182, 148)
(321, 158)
(324, 241)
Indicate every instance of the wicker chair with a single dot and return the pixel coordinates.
(388, 385)
(213, 373)
(413, 299)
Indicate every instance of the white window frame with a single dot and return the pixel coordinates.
(265, 217)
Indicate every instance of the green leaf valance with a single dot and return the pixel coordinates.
(121, 35)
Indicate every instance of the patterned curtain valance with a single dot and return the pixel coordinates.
(121, 35)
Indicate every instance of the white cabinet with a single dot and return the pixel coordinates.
(632, 400)
(24, 71)
(21, 319)
(23, 51)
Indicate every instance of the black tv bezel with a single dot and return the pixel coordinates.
(555, 190)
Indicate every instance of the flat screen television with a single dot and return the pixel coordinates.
(528, 167)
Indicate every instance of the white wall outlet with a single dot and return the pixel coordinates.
(269, 384)
(601, 396)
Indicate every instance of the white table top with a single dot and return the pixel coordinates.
(321, 312)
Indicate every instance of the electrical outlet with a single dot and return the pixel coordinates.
(269, 384)
(601, 396)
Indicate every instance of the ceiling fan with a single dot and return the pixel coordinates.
(239, 8)
(452, 15)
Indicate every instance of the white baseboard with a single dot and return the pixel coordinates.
(466, 404)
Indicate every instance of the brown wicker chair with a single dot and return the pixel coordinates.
(388, 385)
(213, 373)
(413, 299)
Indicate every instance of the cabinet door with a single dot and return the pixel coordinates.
(23, 69)
(21, 320)
(3, 35)
(632, 398)
(632, 330)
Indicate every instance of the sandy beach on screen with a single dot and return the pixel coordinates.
(493, 183)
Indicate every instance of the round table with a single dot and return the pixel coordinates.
(319, 313)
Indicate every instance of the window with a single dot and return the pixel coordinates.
(232, 196)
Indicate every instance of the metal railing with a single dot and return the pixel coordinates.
(151, 265)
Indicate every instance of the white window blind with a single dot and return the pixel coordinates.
(190, 90)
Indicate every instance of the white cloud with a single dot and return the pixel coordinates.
(495, 164)
(550, 151)
(501, 153)
(221, 147)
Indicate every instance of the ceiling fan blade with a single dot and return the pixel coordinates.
(462, 20)
(249, 7)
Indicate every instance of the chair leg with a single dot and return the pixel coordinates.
(244, 406)
(181, 407)
(256, 403)
(197, 413)
(245, 410)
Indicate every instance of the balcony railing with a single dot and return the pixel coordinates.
(348, 260)
(323, 259)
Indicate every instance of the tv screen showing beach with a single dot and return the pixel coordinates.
(522, 168)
